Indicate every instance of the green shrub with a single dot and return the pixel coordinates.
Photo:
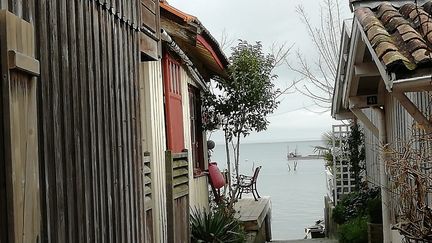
(354, 205)
(374, 209)
(216, 226)
(354, 231)
(339, 214)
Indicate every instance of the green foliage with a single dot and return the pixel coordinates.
(326, 149)
(354, 205)
(247, 96)
(356, 151)
(244, 99)
(339, 214)
(355, 231)
(216, 227)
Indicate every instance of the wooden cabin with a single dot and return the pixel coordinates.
(384, 81)
(191, 57)
(83, 136)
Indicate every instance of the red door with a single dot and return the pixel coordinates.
(173, 104)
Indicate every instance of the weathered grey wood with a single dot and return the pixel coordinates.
(75, 71)
(169, 196)
(252, 213)
(177, 189)
(23, 63)
(180, 163)
(412, 109)
(66, 135)
(92, 185)
(19, 161)
(107, 183)
(182, 155)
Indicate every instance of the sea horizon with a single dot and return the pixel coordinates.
(286, 187)
(276, 141)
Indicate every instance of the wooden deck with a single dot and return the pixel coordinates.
(307, 241)
(253, 213)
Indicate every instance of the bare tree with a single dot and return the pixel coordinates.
(226, 41)
(316, 79)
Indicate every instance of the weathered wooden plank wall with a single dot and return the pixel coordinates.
(198, 197)
(177, 206)
(372, 151)
(89, 118)
(19, 160)
(399, 126)
(3, 205)
(153, 140)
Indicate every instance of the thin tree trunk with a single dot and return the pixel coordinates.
(228, 161)
(237, 158)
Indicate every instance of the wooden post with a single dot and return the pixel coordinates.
(177, 197)
(169, 196)
(19, 127)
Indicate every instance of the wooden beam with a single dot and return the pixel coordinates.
(412, 109)
(188, 33)
(366, 122)
(23, 63)
(381, 68)
(344, 115)
(366, 70)
(413, 84)
(366, 101)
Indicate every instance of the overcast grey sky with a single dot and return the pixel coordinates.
(269, 22)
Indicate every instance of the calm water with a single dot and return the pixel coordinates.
(297, 196)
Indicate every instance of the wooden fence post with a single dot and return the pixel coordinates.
(177, 190)
(169, 196)
(19, 160)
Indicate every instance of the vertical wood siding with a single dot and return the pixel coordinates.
(177, 174)
(372, 147)
(399, 124)
(19, 161)
(89, 118)
(153, 139)
(3, 204)
(198, 185)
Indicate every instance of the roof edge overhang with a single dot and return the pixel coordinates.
(210, 49)
(190, 68)
(354, 4)
(338, 111)
(201, 35)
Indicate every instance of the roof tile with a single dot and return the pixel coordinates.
(401, 37)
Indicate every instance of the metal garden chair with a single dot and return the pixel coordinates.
(247, 184)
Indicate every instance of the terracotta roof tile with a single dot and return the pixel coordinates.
(401, 37)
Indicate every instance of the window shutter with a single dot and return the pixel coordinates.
(173, 105)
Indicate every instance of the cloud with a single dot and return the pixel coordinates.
(269, 22)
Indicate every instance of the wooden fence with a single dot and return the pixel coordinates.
(177, 176)
(148, 197)
(91, 168)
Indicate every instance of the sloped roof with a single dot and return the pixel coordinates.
(186, 17)
(192, 36)
(401, 36)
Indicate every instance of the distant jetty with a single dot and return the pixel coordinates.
(300, 157)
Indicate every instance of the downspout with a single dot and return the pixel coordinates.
(383, 177)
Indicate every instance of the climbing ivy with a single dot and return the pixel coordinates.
(356, 151)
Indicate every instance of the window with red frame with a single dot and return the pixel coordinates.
(196, 130)
(173, 104)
